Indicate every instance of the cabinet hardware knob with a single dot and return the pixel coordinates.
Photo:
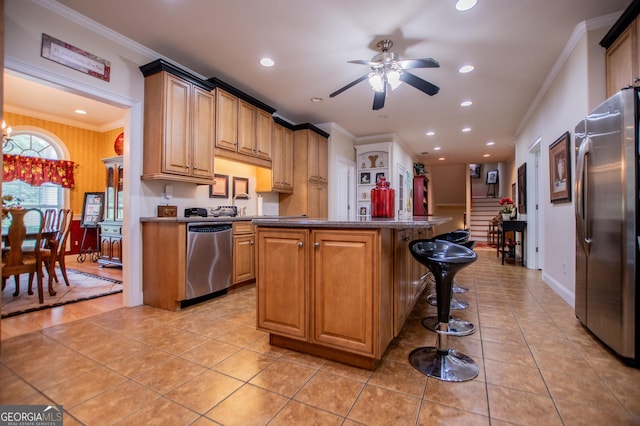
(316, 245)
(300, 244)
(407, 238)
(252, 242)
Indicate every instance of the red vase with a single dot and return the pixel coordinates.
(382, 200)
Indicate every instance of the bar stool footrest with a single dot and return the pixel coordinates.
(457, 327)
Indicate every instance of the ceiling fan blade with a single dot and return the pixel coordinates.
(418, 83)
(353, 83)
(419, 63)
(378, 98)
(362, 62)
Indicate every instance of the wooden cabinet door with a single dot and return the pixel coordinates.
(344, 272)
(403, 293)
(323, 159)
(116, 249)
(282, 287)
(246, 128)
(203, 114)
(287, 160)
(177, 125)
(313, 154)
(318, 200)
(226, 120)
(621, 60)
(264, 130)
(243, 258)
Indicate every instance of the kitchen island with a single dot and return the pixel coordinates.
(338, 289)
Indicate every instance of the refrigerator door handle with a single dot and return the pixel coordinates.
(582, 202)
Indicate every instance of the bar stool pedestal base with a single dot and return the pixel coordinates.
(451, 366)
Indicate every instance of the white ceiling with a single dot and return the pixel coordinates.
(512, 43)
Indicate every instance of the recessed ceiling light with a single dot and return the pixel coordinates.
(466, 129)
(431, 133)
(436, 148)
(267, 62)
(441, 159)
(466, 68)
(316, 100)
(80, 111)
(490, 143)
(466, 103)
(487, 155)
(463, 5)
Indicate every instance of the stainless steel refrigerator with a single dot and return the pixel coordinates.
(606, 209)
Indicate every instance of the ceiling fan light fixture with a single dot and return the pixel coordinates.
(393, 78)
(463, 5)
(377, 81)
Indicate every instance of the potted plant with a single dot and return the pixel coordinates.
(508, 209)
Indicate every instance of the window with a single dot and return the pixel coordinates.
(31, 144)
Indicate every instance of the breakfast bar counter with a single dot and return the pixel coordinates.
(338, 289)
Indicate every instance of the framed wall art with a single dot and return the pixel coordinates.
(379, 176)
(522, 188)
(474, 171)
(560, 170)
(241, 188)
(492, 177)
(220, 187)
(365, 178)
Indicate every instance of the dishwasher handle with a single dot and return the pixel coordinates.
(208, 227)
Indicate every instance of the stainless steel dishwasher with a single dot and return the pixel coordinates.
(209, 263)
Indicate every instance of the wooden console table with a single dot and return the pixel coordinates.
(514, 226)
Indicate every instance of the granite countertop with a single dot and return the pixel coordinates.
(191, 219)
(361, 223)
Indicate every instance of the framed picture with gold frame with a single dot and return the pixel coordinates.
(240, 188)
(220, 187)
(560, 170)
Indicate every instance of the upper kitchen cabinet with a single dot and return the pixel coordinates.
(280, 177)
(244, 126)
(623, 51)
(179, 119)
(310, 174)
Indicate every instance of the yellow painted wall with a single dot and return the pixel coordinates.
(87, 149)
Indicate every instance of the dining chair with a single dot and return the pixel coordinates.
(65, 216)
(49, 218)
(17, 259)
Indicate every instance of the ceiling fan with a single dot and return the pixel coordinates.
(388, 71)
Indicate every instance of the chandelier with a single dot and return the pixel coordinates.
(7, 142)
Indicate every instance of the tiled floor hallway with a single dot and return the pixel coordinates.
(209, 365)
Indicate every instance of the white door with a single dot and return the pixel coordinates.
(344, 207)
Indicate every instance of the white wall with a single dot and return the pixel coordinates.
(576, 84)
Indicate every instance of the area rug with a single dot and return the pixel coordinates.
(82, 286)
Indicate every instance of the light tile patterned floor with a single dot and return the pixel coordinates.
(209, 365)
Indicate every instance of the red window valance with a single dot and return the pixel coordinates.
(36, 171)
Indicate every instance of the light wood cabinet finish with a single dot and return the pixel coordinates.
(164, 251)
(178, 130)
(345, 273)
(623, 61)
(310, 176)
(282, 286)
(243, 252)
(327, 292)
(243, 131)
(282, 162)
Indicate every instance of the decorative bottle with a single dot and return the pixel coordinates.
(382, 200)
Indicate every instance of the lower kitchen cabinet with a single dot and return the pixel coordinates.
(244, 258)
(326, 289)
(282, 287)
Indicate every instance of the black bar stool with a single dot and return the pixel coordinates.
(461, 236)
(457, 326)
(444, 259)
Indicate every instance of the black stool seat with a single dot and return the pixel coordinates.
(444, 259)
(459, 237)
